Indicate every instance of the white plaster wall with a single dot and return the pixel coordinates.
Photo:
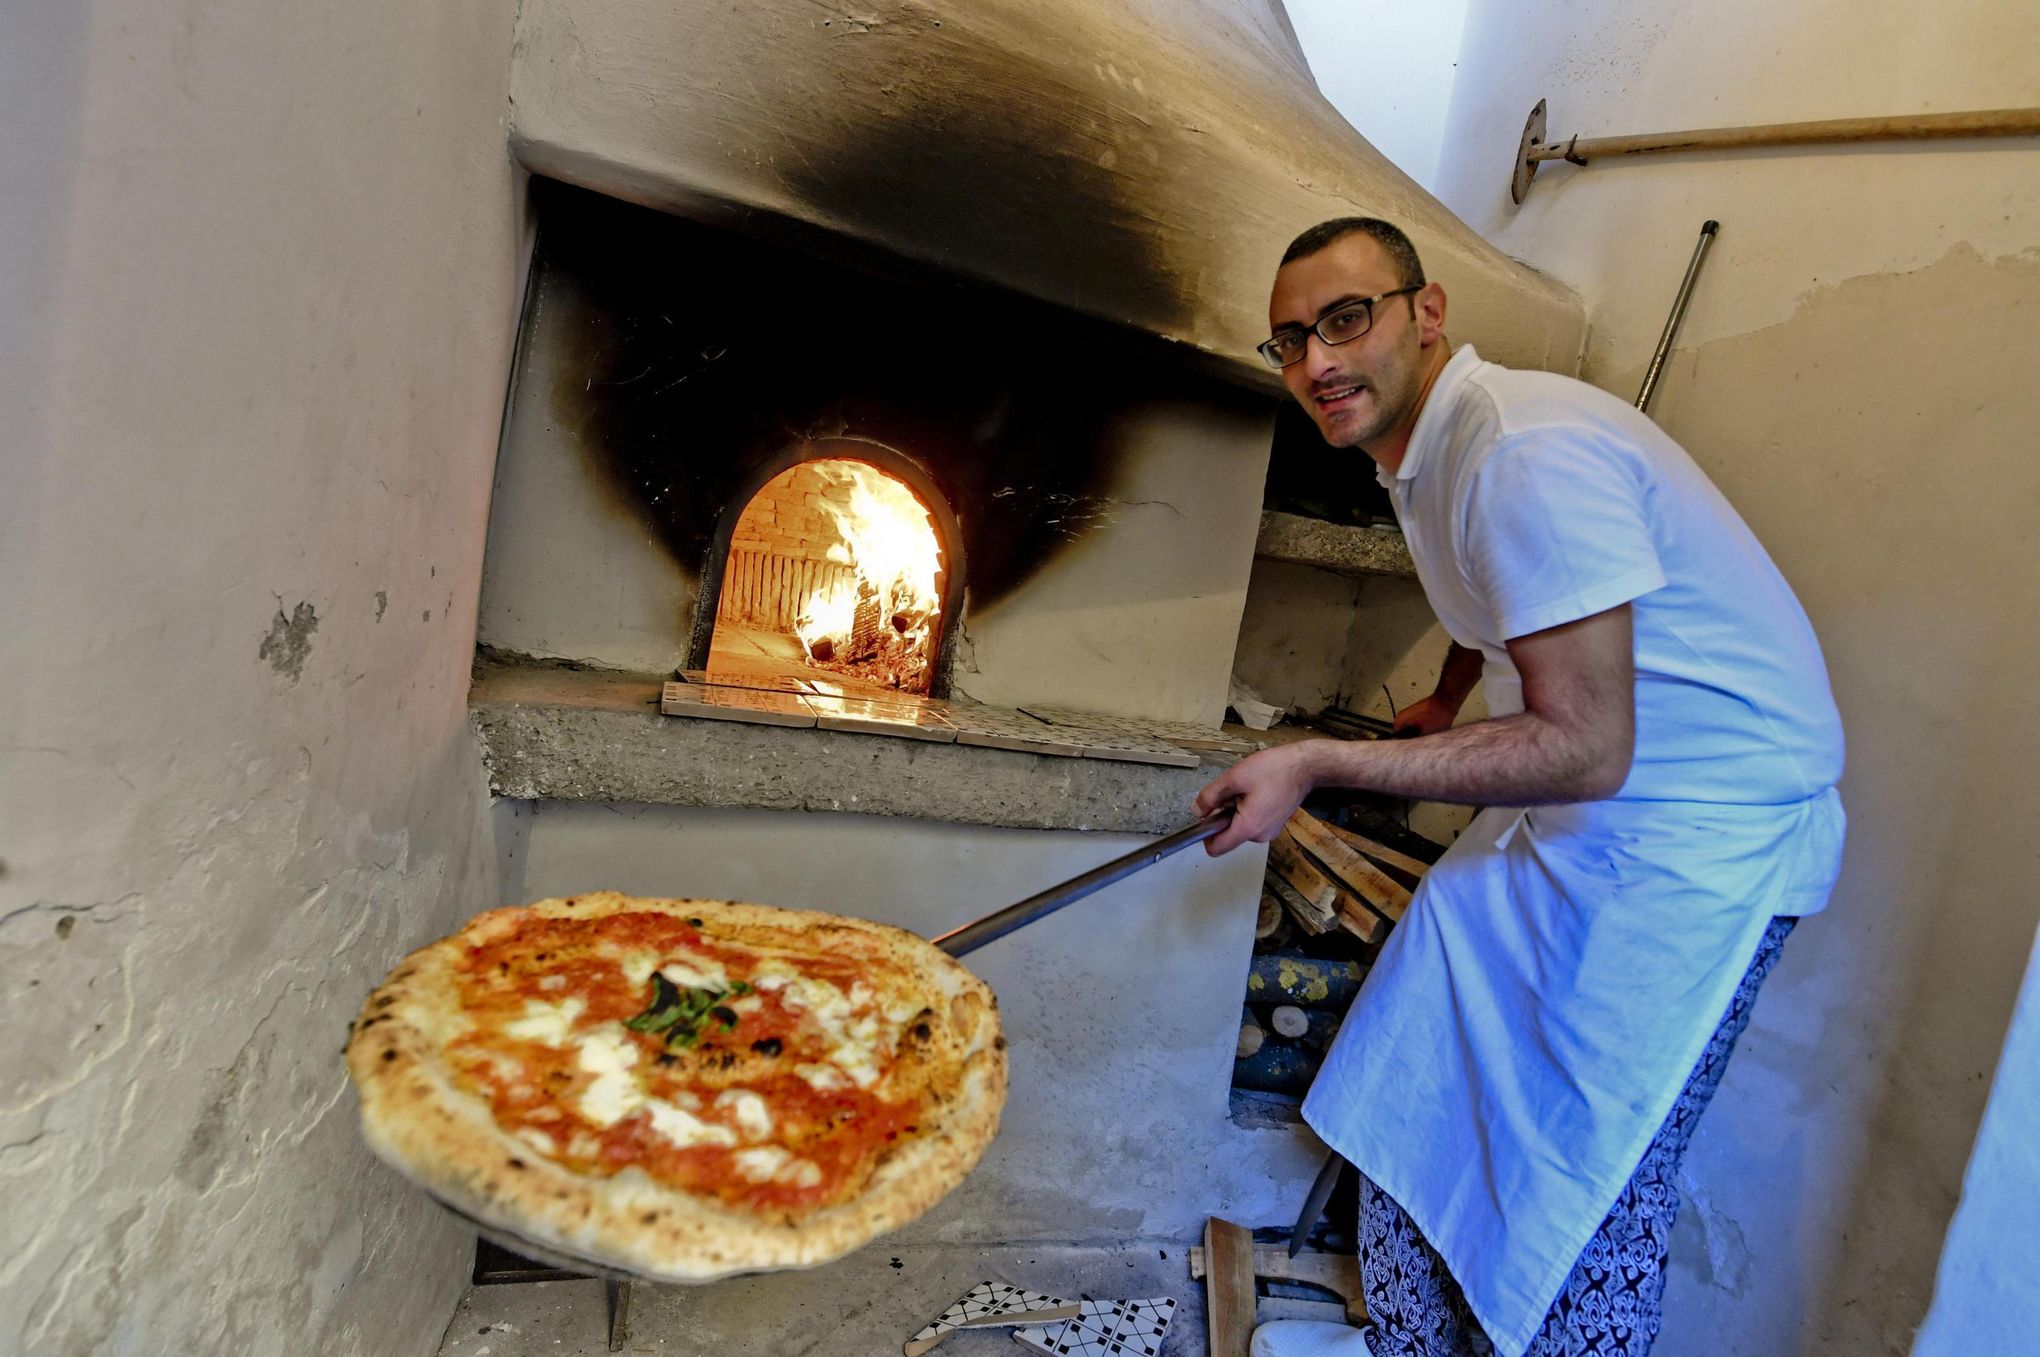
(260, 265)
(1122, 1011)
(575, 569)
(1984, 1296)
(1388, 67)
(1857, 374)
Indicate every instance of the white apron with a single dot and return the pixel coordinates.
(1531, 1021)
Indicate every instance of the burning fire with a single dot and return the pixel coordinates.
(878, 620)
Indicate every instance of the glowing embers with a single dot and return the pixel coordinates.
(833, 565)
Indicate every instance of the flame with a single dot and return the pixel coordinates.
(891, 549)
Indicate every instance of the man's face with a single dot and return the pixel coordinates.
(1362, 389)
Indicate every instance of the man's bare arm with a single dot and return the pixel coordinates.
(1572, 742)
(1430, 715)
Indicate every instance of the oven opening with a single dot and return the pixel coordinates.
(837, 567)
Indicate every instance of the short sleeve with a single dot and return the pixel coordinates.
(1556, 528)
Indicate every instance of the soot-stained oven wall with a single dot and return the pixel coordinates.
(1105, 495)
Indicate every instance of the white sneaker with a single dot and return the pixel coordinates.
(1309, 1338)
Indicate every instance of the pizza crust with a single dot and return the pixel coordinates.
(446, 1139)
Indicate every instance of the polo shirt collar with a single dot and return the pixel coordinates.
(1434, 417)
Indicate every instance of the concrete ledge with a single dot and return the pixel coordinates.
(591, 735)
(1338, 547)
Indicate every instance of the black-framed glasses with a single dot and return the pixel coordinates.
(1342, 324)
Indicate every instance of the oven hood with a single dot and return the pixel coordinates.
(1139, 161)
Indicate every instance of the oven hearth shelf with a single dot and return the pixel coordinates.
(550, 731)
(1342, 548)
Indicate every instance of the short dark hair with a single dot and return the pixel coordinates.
(1402, 256)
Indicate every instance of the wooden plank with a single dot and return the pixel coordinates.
(1338, 1273)
(1288, 860)
(1308, 916)
(1381, 852)
(1353, 871)
(1228, 1288)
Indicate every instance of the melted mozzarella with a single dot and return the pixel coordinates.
(552, 1024)
(753, 1117)
(829, 1005)
(859, 1062)
(608, 1055)
(694, 972)
(539, 1140)
(855, 1038)
(761, 1163)
(772, 975)
(770, 1163)
(638, 967)
(685, 1129)
(822, 1078)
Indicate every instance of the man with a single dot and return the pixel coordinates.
(1523, 1067)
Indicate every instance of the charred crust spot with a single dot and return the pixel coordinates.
(923, 1031)
(998, 1043)
(514, 1162)
(649, 1218)
(389, 1055)
(385, 1001)
(695, 923)
(769, 1046)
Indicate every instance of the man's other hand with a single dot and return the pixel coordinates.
(1427, 716)
(1266, 788)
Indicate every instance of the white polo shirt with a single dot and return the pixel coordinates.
(1529, 1023)
(1530, 500)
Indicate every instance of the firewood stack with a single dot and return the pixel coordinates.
(1323, 883)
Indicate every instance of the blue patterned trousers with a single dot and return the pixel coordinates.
(1611, 1303)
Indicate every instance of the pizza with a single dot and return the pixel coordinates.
(681, 1089)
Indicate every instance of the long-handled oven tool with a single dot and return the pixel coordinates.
(992, 927)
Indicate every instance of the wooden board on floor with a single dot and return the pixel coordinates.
(1229, 1287)
(1338, 1273)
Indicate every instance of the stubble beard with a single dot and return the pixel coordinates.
(1393, 391)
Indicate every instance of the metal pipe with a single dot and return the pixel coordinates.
(992, 927)
(1664, 344)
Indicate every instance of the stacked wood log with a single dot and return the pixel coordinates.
(1324, 879)
(1329, 878)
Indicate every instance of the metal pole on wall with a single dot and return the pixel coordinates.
(1664, 344)
(1534, 149)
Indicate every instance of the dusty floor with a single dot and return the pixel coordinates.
(868, 1305)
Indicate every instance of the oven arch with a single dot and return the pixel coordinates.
(881, 457)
